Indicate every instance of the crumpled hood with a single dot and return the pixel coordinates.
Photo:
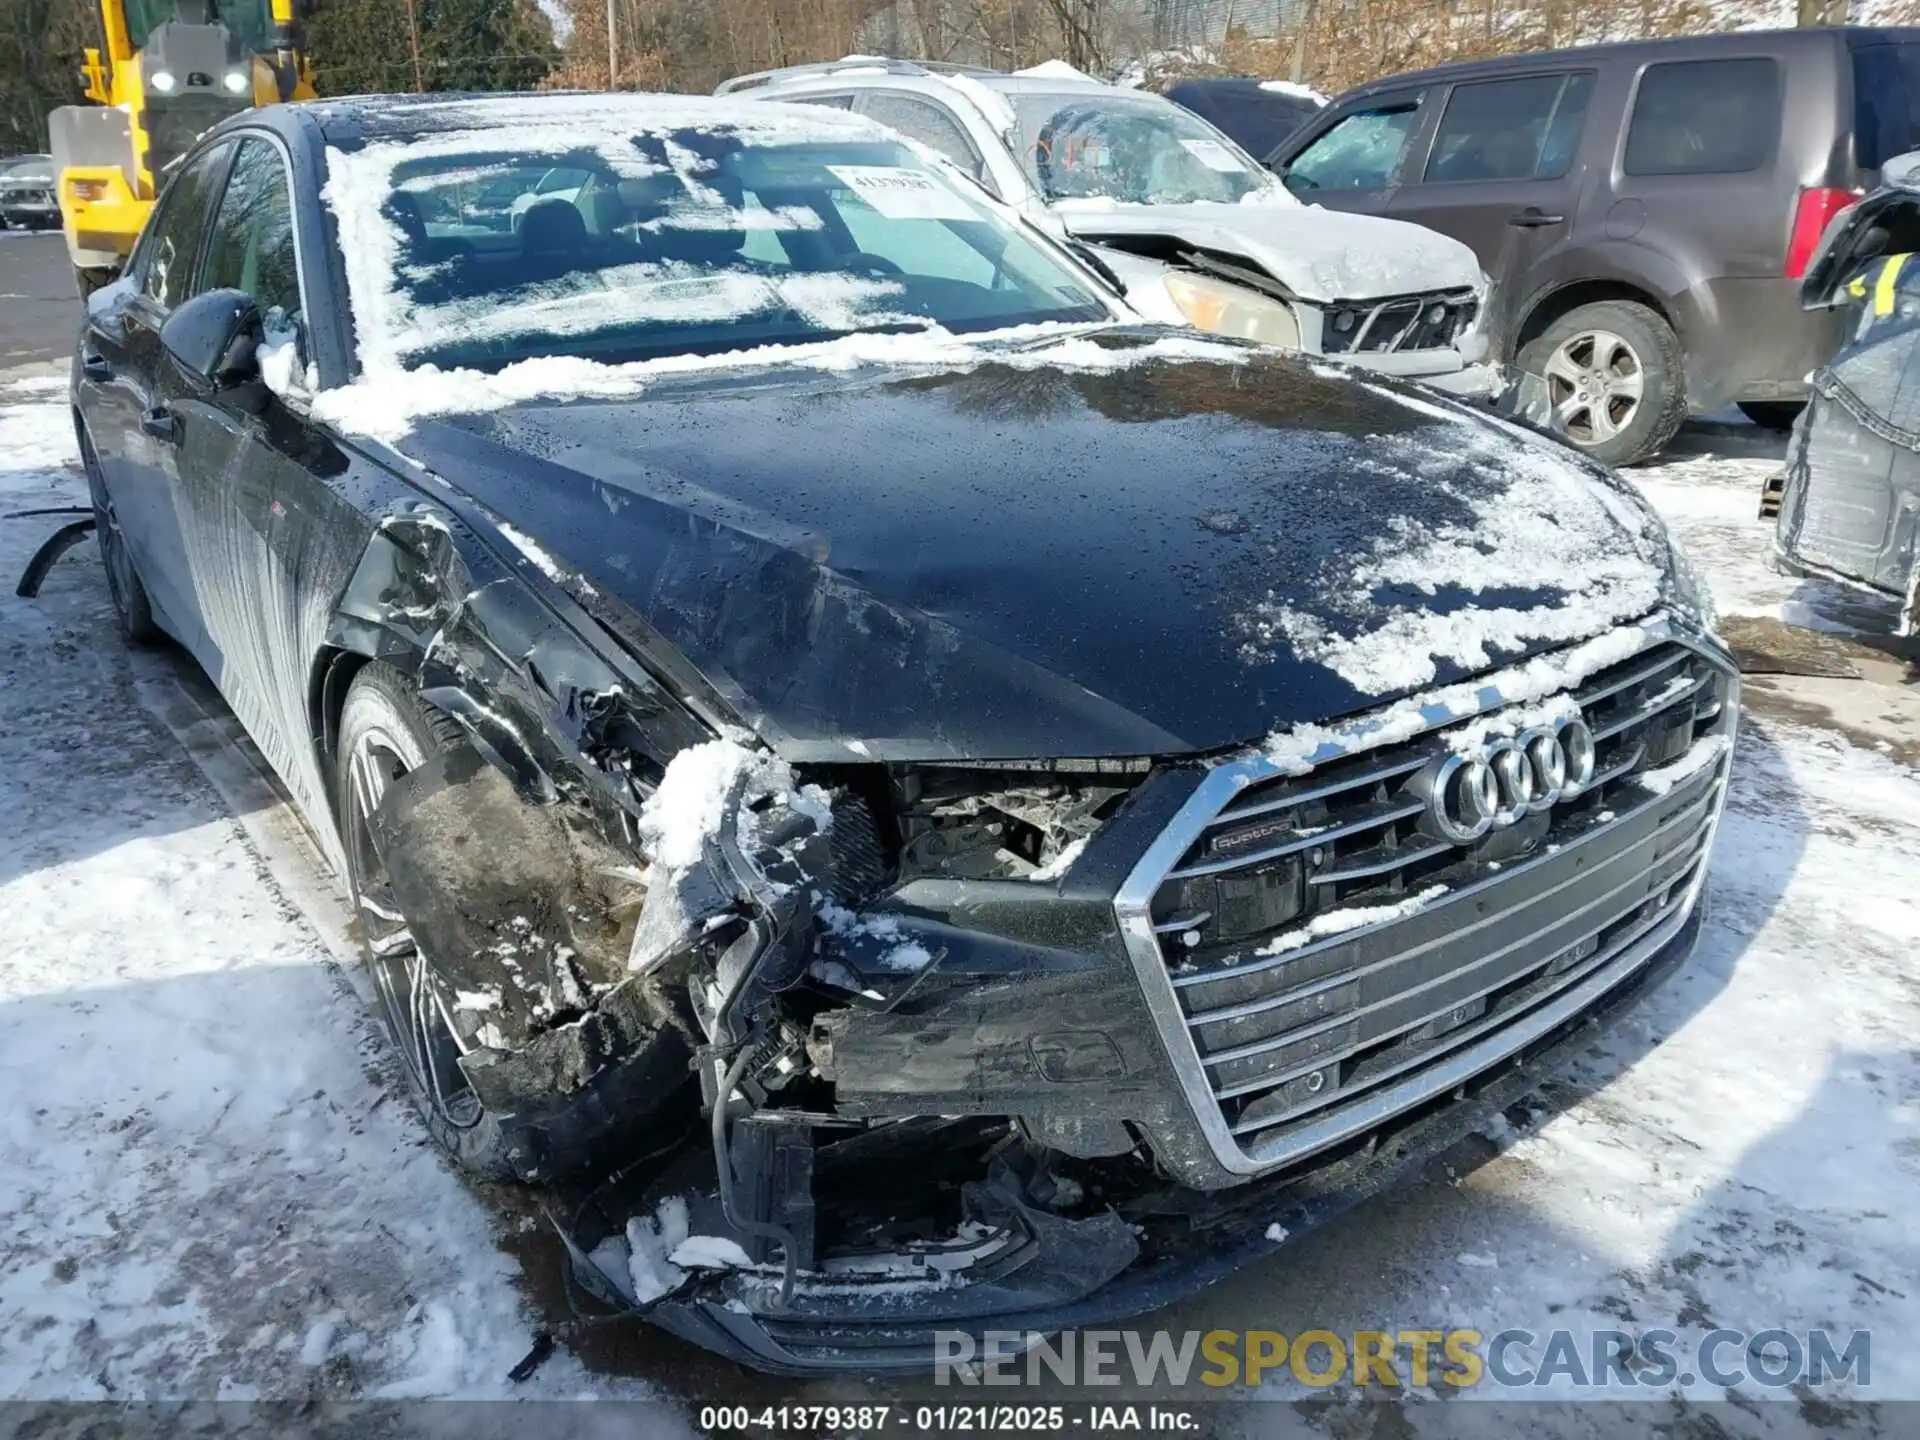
(1163, 557)
(1318, 254)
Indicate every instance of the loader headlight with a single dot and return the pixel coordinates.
(1228, 309)
(162, 81)
(238, 82)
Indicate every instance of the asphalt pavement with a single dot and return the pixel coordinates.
(39, 307)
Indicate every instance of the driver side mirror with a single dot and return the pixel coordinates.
(214, 339)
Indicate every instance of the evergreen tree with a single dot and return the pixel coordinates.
(365, 46)
(41, 49)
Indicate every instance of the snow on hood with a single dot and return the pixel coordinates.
(1318, 254)
(1121, 561)
(1558, 527)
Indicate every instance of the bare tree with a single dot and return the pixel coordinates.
(1079, 26)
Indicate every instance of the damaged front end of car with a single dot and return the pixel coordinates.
(917, 1020)
(1020, 1048)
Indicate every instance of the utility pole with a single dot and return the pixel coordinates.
(613, 48)
(1300, 42)
(413, 41)
(1823, 12)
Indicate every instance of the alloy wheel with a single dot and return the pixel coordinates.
(1595, 383)
(413, 999)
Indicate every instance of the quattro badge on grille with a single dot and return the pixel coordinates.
(1506, 779)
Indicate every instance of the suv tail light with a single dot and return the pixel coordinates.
(1811, 216)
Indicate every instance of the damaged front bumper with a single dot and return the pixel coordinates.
(968, 1102)
(1034, 1271)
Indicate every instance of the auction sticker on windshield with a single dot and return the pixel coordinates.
(1214, 155)
(903, 194)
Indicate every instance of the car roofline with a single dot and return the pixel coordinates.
(1654, 48)
(848, 66)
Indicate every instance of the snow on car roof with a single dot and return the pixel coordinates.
(573, 121)
(369, 141)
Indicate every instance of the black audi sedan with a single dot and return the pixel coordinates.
(920, 803)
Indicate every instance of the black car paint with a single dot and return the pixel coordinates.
(1001, 563)
(287, 554)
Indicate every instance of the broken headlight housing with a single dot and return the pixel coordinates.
(1223, 308)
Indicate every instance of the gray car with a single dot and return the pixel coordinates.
(26, 193)
(1646, 210)
(1849, 502)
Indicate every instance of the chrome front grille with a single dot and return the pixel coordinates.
(1406, 322)
(1319, 958)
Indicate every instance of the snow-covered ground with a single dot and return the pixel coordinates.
(210, 1183)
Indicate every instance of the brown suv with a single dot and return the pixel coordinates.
(1645, 209)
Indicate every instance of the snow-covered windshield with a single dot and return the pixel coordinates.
(36, 170)
(696, 241)
(1141, 149)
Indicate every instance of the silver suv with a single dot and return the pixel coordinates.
(1195, 228)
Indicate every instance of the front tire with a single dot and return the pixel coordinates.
(1615, 377)
(130, 604)
(385, 733)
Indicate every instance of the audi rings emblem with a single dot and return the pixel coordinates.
(1507, 779)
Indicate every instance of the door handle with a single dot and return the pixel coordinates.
(161, 424)
(1533, 218)
(95, 367)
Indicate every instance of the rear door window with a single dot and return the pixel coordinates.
(1704, 117)
(1886, 103)
(1361, 150)
(1522, 129)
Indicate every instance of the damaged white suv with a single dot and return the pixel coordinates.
(1190, 223)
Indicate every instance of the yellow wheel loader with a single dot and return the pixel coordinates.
(170, 71)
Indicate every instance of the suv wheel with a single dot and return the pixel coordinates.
(1615, 378)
